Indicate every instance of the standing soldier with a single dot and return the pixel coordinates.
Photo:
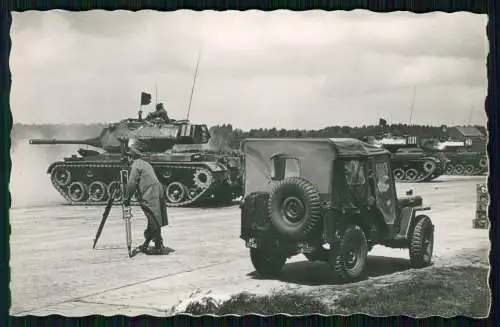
(143, 179)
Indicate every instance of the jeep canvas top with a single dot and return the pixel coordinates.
(263, 157)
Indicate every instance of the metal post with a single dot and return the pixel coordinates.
(126, 211)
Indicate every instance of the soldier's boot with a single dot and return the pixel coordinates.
(159, 248)
(144, 247)
(148, 236)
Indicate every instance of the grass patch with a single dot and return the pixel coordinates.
(243, 303)
(444, 291)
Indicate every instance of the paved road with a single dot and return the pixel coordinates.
(55, 271)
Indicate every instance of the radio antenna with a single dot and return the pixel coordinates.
(194, 83)
(471, 111)
(412, 104)
(156, 93)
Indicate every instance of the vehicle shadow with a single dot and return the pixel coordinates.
(105, 248)
(213, 205)
(321, 273)
(167, 250)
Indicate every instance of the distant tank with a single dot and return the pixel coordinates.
(190, 170)
(463, 159)
(410, 163)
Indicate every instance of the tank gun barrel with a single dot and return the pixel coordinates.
(92, 142)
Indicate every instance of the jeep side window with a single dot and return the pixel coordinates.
(383, 179)
(354, 172)
(285, 167)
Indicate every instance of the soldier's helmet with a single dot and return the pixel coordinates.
(159, 106)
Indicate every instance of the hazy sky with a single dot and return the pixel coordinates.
(284, 69)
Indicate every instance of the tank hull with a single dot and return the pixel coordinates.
(417, 168)
(466, 163)
(90, 181)
(410, 163)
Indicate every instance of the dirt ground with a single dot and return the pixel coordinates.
(54, 269)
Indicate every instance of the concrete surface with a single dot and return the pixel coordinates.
(55, 271)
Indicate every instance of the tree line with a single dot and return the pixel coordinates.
(227, 136)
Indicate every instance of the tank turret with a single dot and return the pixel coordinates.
(178, 150)
(96, 142)
(394, 143)
(158, 136)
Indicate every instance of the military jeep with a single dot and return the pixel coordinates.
(329, 199)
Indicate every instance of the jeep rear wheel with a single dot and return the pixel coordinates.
(267, 262)
(422, 243)
(294, 208)
(349, 259)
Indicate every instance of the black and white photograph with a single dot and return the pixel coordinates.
(237, 162)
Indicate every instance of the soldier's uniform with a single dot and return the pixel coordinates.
(143, 179)
(159, 113)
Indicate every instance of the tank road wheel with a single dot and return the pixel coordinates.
(411, 174)
(422, 243)
(98, 191)
(111, 188)
(349, 259)
(449, 169)
(459, 169)
(399, 174)
(429, 166)
(267, 262)
(77, 191)
(192, 192)
(469, 169)
(483, 163)
(176, 192)
(202, 178)
(61, 175)
(294, 207)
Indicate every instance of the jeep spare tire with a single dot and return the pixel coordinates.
(294, 208)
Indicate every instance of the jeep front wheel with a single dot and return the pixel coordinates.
(422, 243)
(267, 262)
(349, 259)
(294, 208)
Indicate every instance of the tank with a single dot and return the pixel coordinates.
(464, 159)
(191, 171)
(410, 163)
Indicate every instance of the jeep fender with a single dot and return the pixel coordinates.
(334, 221)
(409, 217)
(254, 214)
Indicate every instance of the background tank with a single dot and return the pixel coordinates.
(464, 158)
(191, 171)
(410, 163)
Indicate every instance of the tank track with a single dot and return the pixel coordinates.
(416, 172)
(467, 168)
(93, 184)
